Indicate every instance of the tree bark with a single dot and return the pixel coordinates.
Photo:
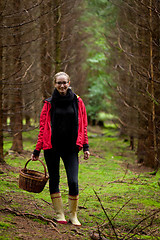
(57, 32)
(152, 158)
(17, 126)
(46, 50)
(1, 106)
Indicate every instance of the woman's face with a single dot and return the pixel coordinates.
(62, 84)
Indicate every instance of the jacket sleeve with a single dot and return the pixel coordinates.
(39, 144)
(85, 124)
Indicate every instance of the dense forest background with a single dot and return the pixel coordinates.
(109, 48)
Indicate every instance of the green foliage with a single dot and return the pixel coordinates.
(99, 80)
(103, 116)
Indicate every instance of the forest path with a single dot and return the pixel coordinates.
(110, 168)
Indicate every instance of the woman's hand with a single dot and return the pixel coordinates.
(34, 158)
(86, 155)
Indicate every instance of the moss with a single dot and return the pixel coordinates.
(105, 173)
(4, 225)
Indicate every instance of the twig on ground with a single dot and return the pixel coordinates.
(82, 190)
(85, 202)
(112, 226)
(140, 231)
(46, 201)
(121, 208)
(36, 206)
(77, 232)
(99, 232)
(95, 236)
(125, 172)
(118, 181)
(149, 216)
(132, 180)
(30, 215)
(92, 215)
(96, 155)
(118, 211)
(6, 201)
(81, 207)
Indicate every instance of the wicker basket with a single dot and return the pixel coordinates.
(31, 180)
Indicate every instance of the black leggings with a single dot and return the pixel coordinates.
(71, 163)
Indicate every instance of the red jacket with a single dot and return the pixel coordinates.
(44, 137)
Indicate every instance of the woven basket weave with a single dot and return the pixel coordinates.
(31, 180)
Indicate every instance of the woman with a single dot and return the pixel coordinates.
(63, 133)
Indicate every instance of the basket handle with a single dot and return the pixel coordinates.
(45, 171)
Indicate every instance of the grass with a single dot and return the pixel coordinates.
(4, 225)
(106, 173)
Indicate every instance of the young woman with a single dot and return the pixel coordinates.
(63, 133)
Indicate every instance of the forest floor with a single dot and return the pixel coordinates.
(119, 199)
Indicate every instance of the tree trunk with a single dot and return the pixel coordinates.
(154, 75)
(17, 126)
(1, 76)
(57, 32)
(46, 51)
(152, 138)
(148, 139)
(28, 120)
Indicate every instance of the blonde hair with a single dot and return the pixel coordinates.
(59, 74)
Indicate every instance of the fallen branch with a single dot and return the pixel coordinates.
(118, 181)
(105, 224)
(149, 216)
(96, 155)
(125, 172)
(112, 226)
(122, 181)
(122, 208)
(77, 232)
(131, 237)
(31, 215)
(46, 202)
